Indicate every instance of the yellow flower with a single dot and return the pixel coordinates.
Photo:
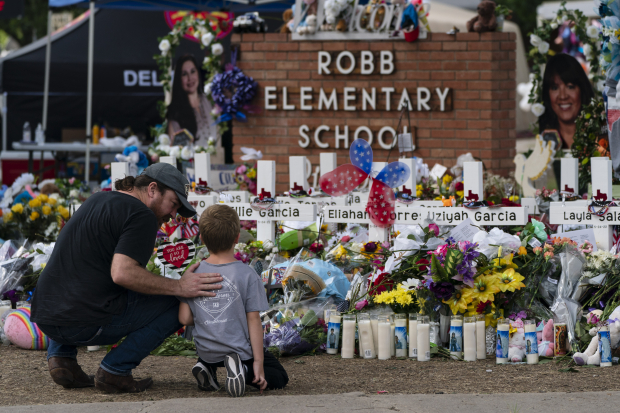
(18, 208)
(513, 198)
(34, 203)
(8, 216)
(437, 198)
(386, 297)
(46, 210)
(251, 173)
(459, 300)
(418, 193)
(447, 179)
(34, 215)
(460, 193)
(51, 201)
(418, 187)
(64, 212)
(485, 286)
(43, 198)
(339, 252)
(511, 280)
(506, 262)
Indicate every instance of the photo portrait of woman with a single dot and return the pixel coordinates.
(565, 90)
(190, 109)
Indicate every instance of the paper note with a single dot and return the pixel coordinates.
(437, 171)
(580, 236)
(464, 231)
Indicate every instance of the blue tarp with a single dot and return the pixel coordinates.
(241, 6)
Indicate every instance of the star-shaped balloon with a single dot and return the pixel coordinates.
(381, 199)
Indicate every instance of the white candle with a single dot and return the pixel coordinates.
(531, 342)
(455, 338)
(385, 339)
(366, 340)
(392, 347)
(604, 346)
(348, 337)
(400, 335)
(481, 338)
(374, 325)
(424, 341)
(413, 338)
(503, 328)
(469, 339)
(333, 333)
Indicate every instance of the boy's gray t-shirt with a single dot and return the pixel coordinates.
(221, 325)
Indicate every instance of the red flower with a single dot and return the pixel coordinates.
(380, 284)
(482, 306)
(459, 186)
(423, 264)
(316, 247)
(345, 239)
(509, 203)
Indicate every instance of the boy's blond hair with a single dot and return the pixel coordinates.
(219, 227)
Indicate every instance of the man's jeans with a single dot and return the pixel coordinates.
(146, 322)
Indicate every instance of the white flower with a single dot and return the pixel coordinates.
(268, 245)
(217, 49)
(538, 109)
(587, 50)
(208, 89)
(543, 48)
(592, 32)
(554, 25)
(330, 19)
(207, 38)
(535, 40)
(206, 60)
(74, 193)
(197, 34)
(410, 284)
(164, 46)
(164, 139)
(186, 153)
(175, 152)
(600, 85)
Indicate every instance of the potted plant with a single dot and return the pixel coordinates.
(501, 13)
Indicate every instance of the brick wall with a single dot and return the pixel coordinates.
(479, 68)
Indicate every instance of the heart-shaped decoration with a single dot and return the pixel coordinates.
(176, 255)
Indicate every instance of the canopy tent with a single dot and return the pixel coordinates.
(125, 88)
(235, 6)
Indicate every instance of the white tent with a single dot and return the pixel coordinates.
(443, 18)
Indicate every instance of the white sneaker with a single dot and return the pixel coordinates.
(205, 376)
(235, 375)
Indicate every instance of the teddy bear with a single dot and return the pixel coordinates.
(546, 341)
(288, 18)
(485, 20)
(592, 356)
(309, 27)
(516, 342)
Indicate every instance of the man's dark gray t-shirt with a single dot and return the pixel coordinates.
(220, 322)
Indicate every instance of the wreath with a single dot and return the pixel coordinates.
(212, 64)
(242, 87)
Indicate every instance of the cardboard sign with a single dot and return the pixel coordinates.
(176, 255)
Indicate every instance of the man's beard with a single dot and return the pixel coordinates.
(161, 218)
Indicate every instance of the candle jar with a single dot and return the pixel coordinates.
(333, 333)
(348, 336)
(367, 346)
(531, 341)
(385, 337)
(604, 345)
(501, 347)
(22, 304)
(413, 335)
(5, 307)
(374, 324)
(559, 334)
(455, 338)
(469, 339)
(481, 350)
(400, 335)
(424, 338)
(392, 334)
(327, 311)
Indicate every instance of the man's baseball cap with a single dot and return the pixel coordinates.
(168, 175)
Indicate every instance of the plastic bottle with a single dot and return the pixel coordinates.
(95, 134)
(27, 136)
(39, 135)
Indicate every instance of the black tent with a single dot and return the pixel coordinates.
(125, 87)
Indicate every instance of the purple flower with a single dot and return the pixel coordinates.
(442, 290)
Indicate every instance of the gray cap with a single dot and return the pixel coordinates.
(170, 176)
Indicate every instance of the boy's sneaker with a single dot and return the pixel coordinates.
(235, 375)
(206, 378)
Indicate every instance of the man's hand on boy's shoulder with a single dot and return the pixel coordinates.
(194, 284)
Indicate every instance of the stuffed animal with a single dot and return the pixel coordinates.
(136, 158)
(287, 16)
(516, 342)
(485, 20)
(545, 345)
(592, 356)
(24, 333)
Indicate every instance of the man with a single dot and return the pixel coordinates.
(95, 289)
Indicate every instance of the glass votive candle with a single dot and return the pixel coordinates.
(413, 335)
(455, 338)
(604, 345)
(501, 347)
(367, 345)
(469, 339)
(385, 337)
(374, 324)
(400, 335)
(424, 338)
(333, 332)
(348, 336)
(531, 341)
(393, 332)
(481, 348)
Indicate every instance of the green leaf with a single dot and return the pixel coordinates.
(545, 361)
(438, 272)
(453, 258)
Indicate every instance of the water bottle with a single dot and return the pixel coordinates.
(27, 136)
(39, 135)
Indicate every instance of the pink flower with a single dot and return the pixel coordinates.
(434, 228)
(241, 169)
(592, 318)
(345, 239)
(71, 181)
(361, 305)
(441, 250)
(548, 255)
(155, 157)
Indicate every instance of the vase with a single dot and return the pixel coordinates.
(500, 23)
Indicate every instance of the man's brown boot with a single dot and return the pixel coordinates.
(111, 383)
(68, 373)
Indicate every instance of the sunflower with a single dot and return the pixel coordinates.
(511, 280)
(459, 300)
(485, 286)
(505, 262)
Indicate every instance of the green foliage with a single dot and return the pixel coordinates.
(589, 125)
(523, 14)
(439, 273)
(176, 346)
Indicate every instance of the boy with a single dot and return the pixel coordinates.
(228, 330)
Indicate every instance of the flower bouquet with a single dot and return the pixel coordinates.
(245, 176)
(39, 220)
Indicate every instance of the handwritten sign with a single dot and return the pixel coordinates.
(176, 255)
